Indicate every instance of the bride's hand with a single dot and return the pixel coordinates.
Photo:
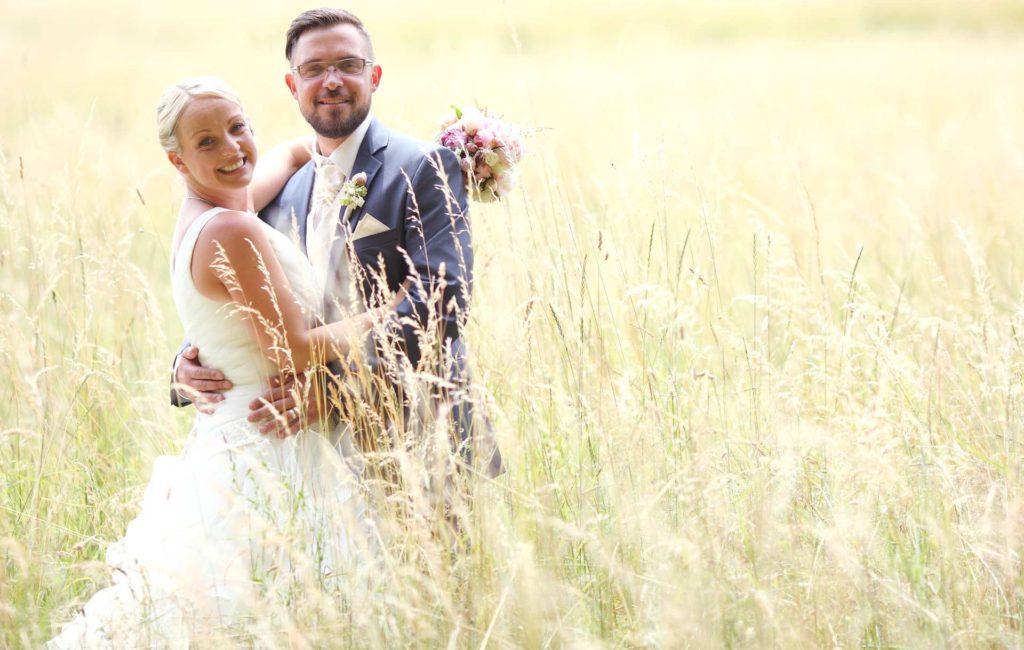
(278, 412)
(276, 166)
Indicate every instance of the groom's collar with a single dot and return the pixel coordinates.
(345, 155)
(376, 138)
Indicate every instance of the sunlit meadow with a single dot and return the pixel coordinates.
(751, 327)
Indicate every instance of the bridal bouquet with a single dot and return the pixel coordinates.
(487, 148)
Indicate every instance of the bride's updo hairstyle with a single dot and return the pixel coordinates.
(177, 96)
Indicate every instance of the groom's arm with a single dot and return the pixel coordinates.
(191, 383)
(439, 248)
(177, 399)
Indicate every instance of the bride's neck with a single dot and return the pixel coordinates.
(230, 199)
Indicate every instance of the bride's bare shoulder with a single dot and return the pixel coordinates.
(234, 227)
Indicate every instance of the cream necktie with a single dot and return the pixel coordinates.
(330, 270)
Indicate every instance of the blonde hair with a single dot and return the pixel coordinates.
(177, 96)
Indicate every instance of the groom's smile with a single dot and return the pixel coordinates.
(333, 100)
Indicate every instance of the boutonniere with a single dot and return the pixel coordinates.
(353, 191)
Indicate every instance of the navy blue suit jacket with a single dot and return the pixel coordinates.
(416, 190)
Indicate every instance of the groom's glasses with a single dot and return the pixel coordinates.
(317, 69)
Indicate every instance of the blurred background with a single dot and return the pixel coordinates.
(749, 327)
(647, 97)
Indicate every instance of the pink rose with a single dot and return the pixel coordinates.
(484, 138)
(359, 180)
(483, 171)
(453, 138)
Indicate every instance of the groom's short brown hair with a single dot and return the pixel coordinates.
(318, 19)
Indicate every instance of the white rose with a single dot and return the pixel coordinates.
(472, 121)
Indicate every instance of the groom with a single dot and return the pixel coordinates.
(411, 229)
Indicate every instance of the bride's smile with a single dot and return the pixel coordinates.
(218, 151)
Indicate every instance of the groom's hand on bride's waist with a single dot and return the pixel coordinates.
(287, 407)
(201, 386)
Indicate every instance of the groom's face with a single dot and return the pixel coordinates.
(333, 104)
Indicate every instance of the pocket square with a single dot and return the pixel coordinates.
(367, 226)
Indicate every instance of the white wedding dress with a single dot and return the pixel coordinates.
(238, 521)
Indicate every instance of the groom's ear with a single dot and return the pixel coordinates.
(375, 76)
(289, 81)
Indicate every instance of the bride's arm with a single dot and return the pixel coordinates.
(274, 168)
(235, 253)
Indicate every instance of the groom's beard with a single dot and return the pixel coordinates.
(334, 122)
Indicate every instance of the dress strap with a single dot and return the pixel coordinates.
(187, 245)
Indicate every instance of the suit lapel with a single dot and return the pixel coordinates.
(368, 160)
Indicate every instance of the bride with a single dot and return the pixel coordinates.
(238, 519)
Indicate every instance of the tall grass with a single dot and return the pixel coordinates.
(751, 330)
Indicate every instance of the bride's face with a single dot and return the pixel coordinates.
(218, 151)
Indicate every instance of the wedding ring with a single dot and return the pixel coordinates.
(293, 413)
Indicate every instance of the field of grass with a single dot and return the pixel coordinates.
(751, 327)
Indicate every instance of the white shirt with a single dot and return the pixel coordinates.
(345, 155)
(345, 158)
(322, 237)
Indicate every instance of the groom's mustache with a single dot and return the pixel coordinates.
(333, 94)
